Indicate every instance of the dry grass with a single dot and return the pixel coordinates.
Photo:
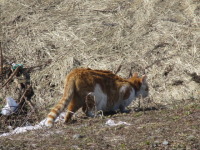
(157, 37)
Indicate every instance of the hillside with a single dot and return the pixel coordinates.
(158, 38)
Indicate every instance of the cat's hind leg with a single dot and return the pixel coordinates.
(73, 106)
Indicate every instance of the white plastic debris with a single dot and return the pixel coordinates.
(10, 107)
(165, 142)
(111, 122)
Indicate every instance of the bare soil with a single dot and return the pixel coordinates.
(172, 128)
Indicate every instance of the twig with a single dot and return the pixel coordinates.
(106, 11)
(1, 65)
(33, 67)
(120, 66)
(143, 105)
(118, 69)
(130, 73)
(32, 107)
(23, 99)
(11, 76)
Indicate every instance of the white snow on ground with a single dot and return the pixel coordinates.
(40, 125)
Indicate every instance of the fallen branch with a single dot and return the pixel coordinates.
(22, 99)
(11, 76)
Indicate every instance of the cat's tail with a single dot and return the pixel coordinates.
(62, 104)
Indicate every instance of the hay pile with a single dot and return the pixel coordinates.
(160, 38)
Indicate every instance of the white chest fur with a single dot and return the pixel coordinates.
(123, 103)
(101, 98)
(132, 96)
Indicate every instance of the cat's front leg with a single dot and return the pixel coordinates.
(88, 112)
(123, 109)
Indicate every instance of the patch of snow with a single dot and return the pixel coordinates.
(40, 125)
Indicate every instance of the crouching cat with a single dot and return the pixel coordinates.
(110, 91)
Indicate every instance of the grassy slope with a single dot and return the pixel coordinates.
(159, 38)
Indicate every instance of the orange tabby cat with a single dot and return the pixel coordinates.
(110, 91)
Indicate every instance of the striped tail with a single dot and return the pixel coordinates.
(62, 104)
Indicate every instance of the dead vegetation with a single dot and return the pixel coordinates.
(155, 37)
(51, 37)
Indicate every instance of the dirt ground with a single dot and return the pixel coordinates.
(175, 128)
(158, 38)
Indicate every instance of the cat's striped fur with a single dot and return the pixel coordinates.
(110, 91)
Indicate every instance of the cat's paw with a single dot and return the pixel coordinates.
(125, 111)
(48, 123)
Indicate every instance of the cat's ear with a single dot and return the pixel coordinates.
(135, 74)
(144, 78)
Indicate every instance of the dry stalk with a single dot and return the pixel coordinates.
(143, 109)
(39, 66)
(1, 65)
(22, 99)
(130, 73)
(118, 69)
(106, 11)
(11, 76)
(17, 118)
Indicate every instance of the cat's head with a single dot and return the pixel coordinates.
(144, 89)
(140, 84)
